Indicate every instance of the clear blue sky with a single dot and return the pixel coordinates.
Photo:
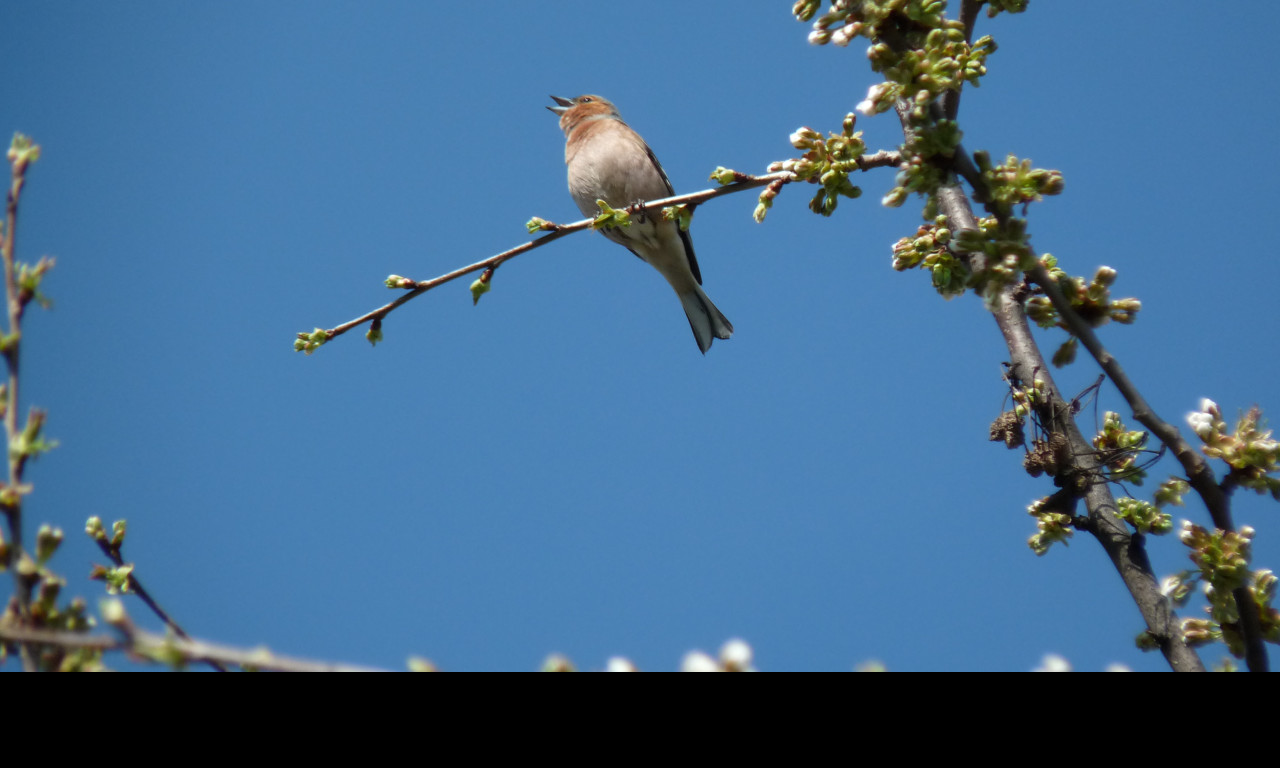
(558, 469)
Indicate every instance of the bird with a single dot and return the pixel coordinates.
(607, 160)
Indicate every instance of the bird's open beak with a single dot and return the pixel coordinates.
(564, 104)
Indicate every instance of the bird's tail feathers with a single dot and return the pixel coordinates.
(708, 322)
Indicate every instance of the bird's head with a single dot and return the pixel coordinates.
(581, 108)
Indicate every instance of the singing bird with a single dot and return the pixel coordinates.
(609, 161)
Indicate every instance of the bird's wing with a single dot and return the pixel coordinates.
(684, 235)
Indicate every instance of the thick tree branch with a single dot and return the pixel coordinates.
(1199, 475)
(1126, 550)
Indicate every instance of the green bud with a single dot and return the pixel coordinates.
(310, 342)
(723, 175)
(479, 288)
(682, 215)
(804, 10)
(896, 197)
(558, 663)
(1146, 641)
(47, 541)
(610, 217)
(1066, 354)
(22, 152)
(117, 579)
(419, 664)
(1052, 185)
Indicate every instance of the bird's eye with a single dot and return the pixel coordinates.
(585, 100)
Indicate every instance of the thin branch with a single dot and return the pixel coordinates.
(12, 503)
(557, 231)
(135, 587)
(741, 183)
(155, 647)
(968, 16)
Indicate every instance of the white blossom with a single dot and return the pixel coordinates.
(736, 654)
(697, 661)
(1201, 423)
(619, 664)
(1052, 662)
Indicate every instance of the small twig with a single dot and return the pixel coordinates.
(968, 16)
(12, 505)
(422, 287)
(136, 587)
(143, 644)
(742, 182)
(557, 231)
